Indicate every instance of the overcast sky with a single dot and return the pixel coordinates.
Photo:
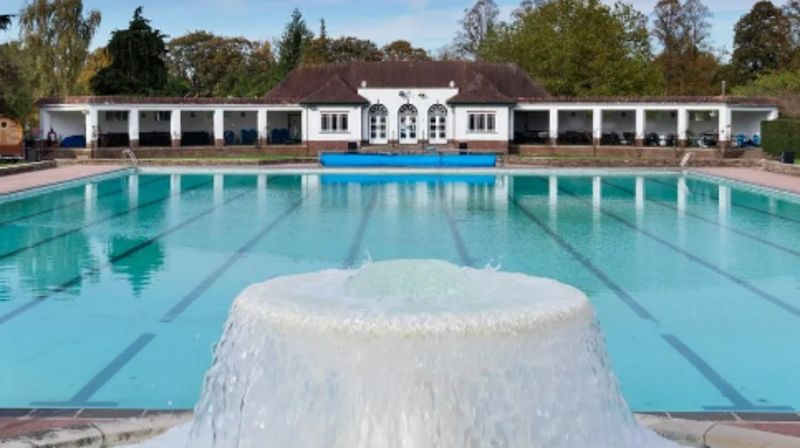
(430, 24)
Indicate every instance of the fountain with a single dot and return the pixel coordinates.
(408, 354)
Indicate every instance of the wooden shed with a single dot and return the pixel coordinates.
(12, 138)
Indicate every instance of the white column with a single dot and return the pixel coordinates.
(219, 128)
(175, 184)
(133, 128)
(640, 193)
(683, 191)
(683, 123)
(89, 199)
(133, 190)
(175, 127)
(553, 125)
(641, 118)
(597, 191)
(219, 189)
(45, 124)
(91, 128)
(553, 191)
(263, 132)
(724, 124)
(724, 203)
(597, 125)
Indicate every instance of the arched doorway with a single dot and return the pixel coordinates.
(407, 116)
(437, 124)
(377, 124)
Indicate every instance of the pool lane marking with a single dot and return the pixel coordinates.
(358, 239)
(746, 207)
(111, 261)
(712, 222)
(791, 309)
(79, 201)
(198, 291)
(102, 377)
(739, 401)
(94, 223)
(626, 298)
(458, 239)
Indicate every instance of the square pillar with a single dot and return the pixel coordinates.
(683, 125)
(175, 127)
(91, 128)
(133, 128)
(641, 119)
(597, 126)
(553, 126)
(724, 127)
(219, 128)
(44, 124)
(262, 126)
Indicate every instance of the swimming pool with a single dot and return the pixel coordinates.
(113, 293)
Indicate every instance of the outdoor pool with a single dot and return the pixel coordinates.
(112, 294)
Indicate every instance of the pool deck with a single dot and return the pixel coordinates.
(16, 183)
(756, 177)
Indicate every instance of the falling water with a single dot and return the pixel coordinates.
(411, 354)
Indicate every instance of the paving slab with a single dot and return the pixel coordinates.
(754, 176)
(25, 181)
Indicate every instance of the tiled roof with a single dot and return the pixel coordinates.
(480, 91)
(507, 79)
(334, 91)
(147, 100)
(683, 100)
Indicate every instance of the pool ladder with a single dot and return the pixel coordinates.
(686, 158)
(128, 152)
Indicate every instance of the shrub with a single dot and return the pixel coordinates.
(780, 135)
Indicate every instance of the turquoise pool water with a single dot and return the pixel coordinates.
(112, 294)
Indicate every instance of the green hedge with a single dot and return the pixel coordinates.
(780, 135)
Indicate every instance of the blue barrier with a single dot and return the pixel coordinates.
(408, 160)
(370, 179)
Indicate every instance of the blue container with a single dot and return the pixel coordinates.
(408, 160)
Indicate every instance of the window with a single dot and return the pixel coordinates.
(334, 122)
(481, 122)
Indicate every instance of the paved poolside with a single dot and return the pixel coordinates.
(753, 176)
(26, 181)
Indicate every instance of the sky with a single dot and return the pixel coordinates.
(430, 24)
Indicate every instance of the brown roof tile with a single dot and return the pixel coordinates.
(334, 91)
(732, 100)
(507, 79)
(480, 91)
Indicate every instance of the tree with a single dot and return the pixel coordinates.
(579, 47)
(792, 12)
(292, 44)
(5, 21)
(55, 37)
(402, 50)
(761, 42)
(137, 61)
(687, 61)
(202, 59)
(352, 49)
(95, 62)
(16, 98)
(318, 51)
(478, 23)
(252, 78)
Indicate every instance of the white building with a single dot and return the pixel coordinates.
(363, 105)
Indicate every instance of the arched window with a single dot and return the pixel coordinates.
(437, 124)
(377, 123)
(407, 116)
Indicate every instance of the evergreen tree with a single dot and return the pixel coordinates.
(16, 98)
(292, 44)
(318, 51)
(137, 61)
(762, 42)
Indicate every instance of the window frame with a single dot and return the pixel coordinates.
(481, 122)
(334, 122)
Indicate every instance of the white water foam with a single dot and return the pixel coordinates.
(411, 354)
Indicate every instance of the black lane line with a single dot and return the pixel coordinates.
(93, 223)
(458, 239)
(738, 401)
(739, 281)
(746, 207)
(198, 291)
(79, 201)
(712, 222)
(626, 298)
(102, 377)
(355, 246)
(114, 259)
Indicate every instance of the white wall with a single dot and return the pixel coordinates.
(354, 123)
(707, 123)
(148, 123)
(613, 121)
(461, 120)
(661, 122)
(422, 99)
(747, 122)
(67, 123)
(581, 122)
(202, 121)
(111, 127)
